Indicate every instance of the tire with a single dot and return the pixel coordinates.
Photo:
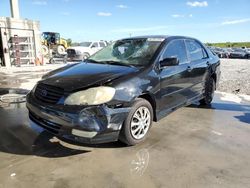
(45, 50)
(132, 132)
(61, 49)
(209, 92)
(85, 56)
(51, 61)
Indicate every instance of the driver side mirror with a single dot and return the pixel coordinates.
(170, 61)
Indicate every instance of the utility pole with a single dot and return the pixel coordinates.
(14, 9)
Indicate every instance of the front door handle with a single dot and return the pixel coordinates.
(189, 69)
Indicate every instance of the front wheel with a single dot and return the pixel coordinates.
(209, 92)
(61, 49)
(137, 124)
(85, 56)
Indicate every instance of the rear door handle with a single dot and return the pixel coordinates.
(189, 69)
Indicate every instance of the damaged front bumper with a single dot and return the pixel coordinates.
(91, 125)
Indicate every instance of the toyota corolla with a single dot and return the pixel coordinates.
(119, 91)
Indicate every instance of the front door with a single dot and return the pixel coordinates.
(175, 82)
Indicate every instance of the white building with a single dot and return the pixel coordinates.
(19, 39)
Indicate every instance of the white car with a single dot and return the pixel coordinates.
(84, 49)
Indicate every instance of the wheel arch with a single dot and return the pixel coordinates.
(214, 76)
(151, 100)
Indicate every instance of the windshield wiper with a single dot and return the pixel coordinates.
(118, 63)
(93, 61)
(110, 63)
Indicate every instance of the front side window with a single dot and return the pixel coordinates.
(128, 51)
(94, 45)
(176, 48)
(195, 50)
(102, 44)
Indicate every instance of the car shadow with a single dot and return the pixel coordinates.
(117, 144)
(41, 146)
(244, 118)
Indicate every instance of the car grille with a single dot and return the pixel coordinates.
(48, 125)
(71, 52)
(48, 94)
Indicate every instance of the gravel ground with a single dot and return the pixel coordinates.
(235, 76)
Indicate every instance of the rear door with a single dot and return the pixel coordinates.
(199, 63)
(175, 80)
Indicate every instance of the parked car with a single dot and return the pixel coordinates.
(240, 53)
(222, 53)
(83, 50)
(117, 92)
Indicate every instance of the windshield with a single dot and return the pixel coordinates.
(239, 50)
(128, 51)
(85, 44)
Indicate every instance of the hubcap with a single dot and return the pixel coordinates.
(140, 123)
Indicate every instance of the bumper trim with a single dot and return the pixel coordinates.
(82, 133)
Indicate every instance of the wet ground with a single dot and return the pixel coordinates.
(192, 147)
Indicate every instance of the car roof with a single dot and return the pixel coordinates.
(160, 36)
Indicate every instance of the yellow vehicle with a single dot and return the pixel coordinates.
(52, 40)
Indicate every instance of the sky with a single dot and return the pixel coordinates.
(87, 20)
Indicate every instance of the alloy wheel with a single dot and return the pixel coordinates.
(140, 123)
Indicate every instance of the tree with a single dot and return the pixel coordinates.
(69, 41)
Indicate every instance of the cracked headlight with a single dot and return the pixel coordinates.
(91, 96)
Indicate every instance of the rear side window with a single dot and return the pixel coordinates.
(102, 44)
(176, 48)
(195, 50)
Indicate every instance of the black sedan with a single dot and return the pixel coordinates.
(120, 90)
(240, 53)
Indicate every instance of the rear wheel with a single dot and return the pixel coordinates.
(138, 122)
(209, 92)
(45, 50)
(51, 61)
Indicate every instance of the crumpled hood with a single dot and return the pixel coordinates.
(82, 75)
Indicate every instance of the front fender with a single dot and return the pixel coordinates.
(128, 91)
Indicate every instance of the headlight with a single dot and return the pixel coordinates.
(92, 96)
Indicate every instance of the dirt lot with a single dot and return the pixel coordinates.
(235, 76)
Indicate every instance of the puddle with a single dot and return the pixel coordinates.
(11, 95)
(13, 98)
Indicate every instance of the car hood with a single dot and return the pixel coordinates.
(83, 75)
